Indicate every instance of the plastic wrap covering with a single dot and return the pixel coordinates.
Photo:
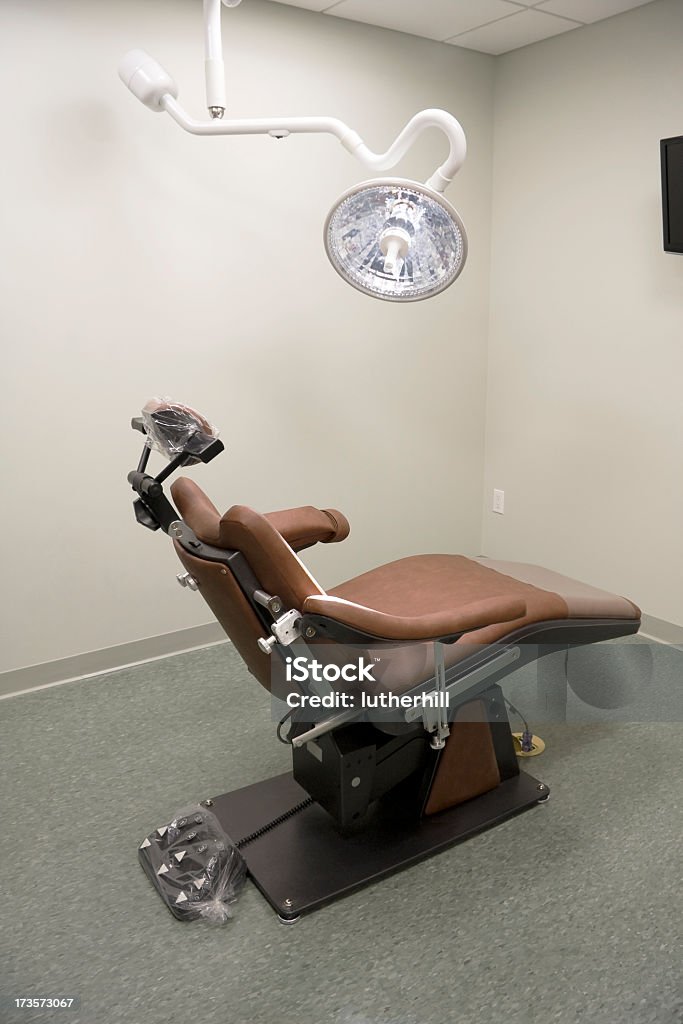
(194, 866)
(173, 428)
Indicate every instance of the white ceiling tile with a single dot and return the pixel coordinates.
(590, 10)
(308, 5)
(510, 33)
(433, 19)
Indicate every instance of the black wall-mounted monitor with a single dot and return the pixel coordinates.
(672, 193)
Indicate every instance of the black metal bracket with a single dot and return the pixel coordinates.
(152, 508)
(332, 629)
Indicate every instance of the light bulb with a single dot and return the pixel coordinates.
(396, 240)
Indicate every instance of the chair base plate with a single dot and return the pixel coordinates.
(305, 862)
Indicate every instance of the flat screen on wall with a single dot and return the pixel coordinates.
(672, 193)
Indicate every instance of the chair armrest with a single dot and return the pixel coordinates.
(447, 625)
(303, 527)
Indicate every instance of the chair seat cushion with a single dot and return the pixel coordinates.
(582, 600)
(423, 584)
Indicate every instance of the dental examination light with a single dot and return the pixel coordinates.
(389, 237)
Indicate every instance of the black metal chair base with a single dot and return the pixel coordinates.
(305, 862)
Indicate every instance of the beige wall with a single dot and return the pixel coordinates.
(585, 417)
(138, 260)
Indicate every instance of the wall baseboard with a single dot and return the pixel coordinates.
(109, 659)
(659, 629)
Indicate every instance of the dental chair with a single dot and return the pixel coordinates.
(413, 756)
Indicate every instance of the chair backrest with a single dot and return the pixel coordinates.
(269, 544)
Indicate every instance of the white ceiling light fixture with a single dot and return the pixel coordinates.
(389, 237)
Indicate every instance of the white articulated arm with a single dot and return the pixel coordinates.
(433, 118)
(215, 100)
(280, 127)
(277, 126)
(147, 80)
(393, 239)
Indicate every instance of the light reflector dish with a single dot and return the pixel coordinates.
(395, 239)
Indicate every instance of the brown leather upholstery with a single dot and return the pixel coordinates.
(425, 584)
(271, 558)
(414, 598)
(442, 621)
(305, 526)
(301, 527)
(198, 511)
(225, 599)
(468, 766)
(582, 600)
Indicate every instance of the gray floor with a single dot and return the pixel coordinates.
(570, 912)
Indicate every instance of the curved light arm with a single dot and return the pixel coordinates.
(215, 101)
(280, 127)
(147, 80)
(431, 118)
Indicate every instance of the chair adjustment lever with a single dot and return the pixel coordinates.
(285, 631)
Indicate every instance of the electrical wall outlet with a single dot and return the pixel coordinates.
(498, 501)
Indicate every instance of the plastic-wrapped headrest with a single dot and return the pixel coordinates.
(173, 428)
